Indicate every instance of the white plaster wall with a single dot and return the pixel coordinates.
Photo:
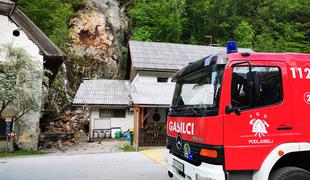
(6, 33)
(151, 76)
(147, 79)
(94, 113)
(124, 123)
(28, 128)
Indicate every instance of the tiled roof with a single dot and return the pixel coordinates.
(169, 56)
(152, 93)
(103, 92)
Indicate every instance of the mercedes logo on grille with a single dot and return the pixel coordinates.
(179, 142)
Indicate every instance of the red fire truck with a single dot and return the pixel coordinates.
(241, 116)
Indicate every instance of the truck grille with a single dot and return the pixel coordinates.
(195, 150)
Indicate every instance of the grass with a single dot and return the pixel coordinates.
(21, 153)
(128, 148)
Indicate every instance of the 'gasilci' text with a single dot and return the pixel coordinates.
(181, 127)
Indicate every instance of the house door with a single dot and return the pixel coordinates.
(265, 120)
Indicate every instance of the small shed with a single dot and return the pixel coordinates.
(109, 104)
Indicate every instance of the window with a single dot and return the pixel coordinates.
(119, 113)
(162, 79)
(105, 113)
(156, 117)
(198, 93)
(115, 113)
(265, 89)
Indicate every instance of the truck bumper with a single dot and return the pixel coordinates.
(190, 172)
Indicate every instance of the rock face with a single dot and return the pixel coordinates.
(28, 131)
(96, 35)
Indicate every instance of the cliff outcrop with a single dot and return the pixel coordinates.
(97, 35)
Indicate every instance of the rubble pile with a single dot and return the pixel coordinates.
(66, 131)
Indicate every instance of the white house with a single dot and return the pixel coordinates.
(17, 29)
(108, 101)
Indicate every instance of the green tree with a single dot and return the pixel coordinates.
(20, 85)
(284, 24)
(264, 25)
(51, 16)
(196, 22)
(157, 20)
(244, 34)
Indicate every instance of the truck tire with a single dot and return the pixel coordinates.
(290, 173)
(170, 174)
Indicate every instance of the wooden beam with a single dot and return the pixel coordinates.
(136, 126)
(141, 117)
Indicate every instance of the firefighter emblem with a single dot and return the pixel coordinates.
(187, 151)
(259, 125)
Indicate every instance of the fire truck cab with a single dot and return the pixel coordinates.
(241, 116)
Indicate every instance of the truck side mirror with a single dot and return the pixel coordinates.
(229, 109)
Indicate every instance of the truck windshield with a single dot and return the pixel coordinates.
(197, 93)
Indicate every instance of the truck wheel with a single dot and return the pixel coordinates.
(290, 173)
(170, 174)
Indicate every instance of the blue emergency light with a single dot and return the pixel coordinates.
(190, 156)
(231, 47)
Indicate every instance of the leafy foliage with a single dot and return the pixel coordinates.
(264, 25)
(245, 34)
(19, 85)
(51, 16)
(158, 20)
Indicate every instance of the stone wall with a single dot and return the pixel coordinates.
(28, 131)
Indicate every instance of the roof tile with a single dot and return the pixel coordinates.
(103, 92)
(169, 56)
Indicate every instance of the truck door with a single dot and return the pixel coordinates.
(265, 119)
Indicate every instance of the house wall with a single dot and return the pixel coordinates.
(27, 129)
(150, 76)
(124, 123)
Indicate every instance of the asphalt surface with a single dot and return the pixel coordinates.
(114, 166)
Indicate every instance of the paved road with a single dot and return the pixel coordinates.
(112, 166)
(158, 155)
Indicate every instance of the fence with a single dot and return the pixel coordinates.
(152, 137)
